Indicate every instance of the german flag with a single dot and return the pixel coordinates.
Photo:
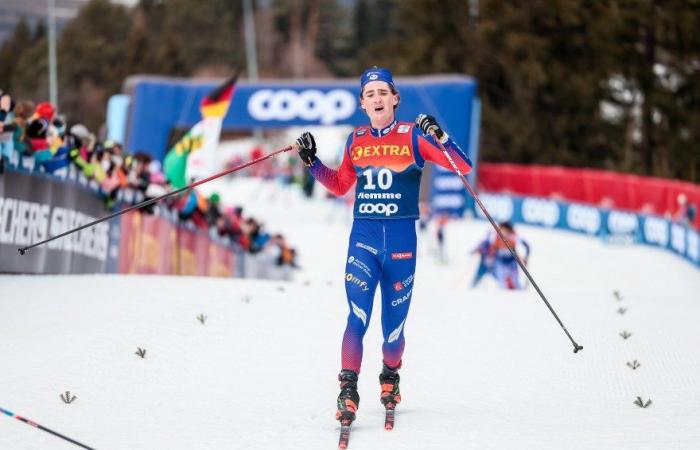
(216, 104)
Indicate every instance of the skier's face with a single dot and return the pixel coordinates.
(379, 101)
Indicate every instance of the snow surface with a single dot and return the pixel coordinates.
(483, 368)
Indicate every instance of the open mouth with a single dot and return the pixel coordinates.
(378, 108)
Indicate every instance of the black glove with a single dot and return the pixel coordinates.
(307, 148)
(427, 122)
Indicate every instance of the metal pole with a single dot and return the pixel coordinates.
(251, 53)
(53, 78)
(503, 238)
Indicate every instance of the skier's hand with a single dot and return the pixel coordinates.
(427, 123)
(307, 148)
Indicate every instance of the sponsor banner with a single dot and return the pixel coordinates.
(152, 245)
(500, 207)
(267, 104)
(593, 221)
(147, 245)
(34, 208)
(612, 190)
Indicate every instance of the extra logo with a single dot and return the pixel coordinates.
(379, 150)
(402, 255)
(362, 284)
(311, 104)
(378, 208)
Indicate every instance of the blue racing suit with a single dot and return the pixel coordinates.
(387, 165)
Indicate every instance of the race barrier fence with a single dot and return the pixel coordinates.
(606, 189)
(605, 223)
(34, 207)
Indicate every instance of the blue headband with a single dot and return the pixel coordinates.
(376, 74)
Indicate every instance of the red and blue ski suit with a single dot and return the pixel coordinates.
(387, 165)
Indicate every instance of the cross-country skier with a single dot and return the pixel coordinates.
(499, 261)
(386, 160)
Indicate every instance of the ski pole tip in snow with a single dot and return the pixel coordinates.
(22, 251)
(577, 348)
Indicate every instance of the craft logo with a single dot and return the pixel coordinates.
(398, 301)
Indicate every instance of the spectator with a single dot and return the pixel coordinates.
(213, 213)
(497, 259)
(23, 112)
(6, 141)
(686, 212)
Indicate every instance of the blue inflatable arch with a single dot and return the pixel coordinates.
(158, 104)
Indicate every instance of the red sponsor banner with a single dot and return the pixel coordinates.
(152, 245)
(402, 255)
(598, 187)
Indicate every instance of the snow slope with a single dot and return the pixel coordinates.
(483, 368)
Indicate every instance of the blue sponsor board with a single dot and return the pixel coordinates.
(593, 221)
(159, 104)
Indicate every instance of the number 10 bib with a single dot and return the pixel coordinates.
(388, 176)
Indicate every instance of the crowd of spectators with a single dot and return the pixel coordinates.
(34, 138)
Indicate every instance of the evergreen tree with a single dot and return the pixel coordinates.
(11, 51)
(91, 60)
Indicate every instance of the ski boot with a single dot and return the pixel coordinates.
(389, 380)
(348, 399)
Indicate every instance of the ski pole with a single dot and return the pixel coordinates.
(23, 250)
(43, 428)
(505, 241)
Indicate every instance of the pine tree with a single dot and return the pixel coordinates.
(11, 51)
